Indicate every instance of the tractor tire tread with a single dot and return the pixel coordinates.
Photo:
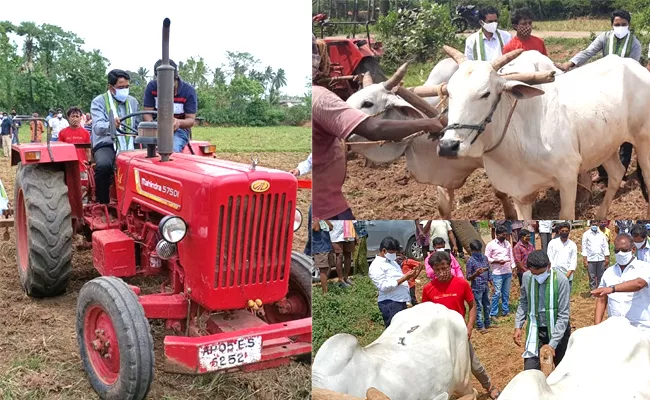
(49, 227)
(134, 333)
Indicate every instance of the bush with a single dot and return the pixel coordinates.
(297, 115)
(415, 35)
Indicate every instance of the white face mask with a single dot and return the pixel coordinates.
(621, 31)
(59, 115)
(541, 278)
(491, 27)
(639, 245)
(623, 258)
(390, 256)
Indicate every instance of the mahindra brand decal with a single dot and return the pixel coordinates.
(158, 188)
(260, 186)
(120, 178)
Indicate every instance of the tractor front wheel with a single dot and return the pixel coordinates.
(114, 340)
(297, 304)
(43, 230)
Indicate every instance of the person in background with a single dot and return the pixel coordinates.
(499, 254)
(531, 226)
(422, 237)
(544, 302)
(602, 225)
(5, 132)
(15, 130)
(343, 248)
(563, 253)
(522, 23)
(442, 228)
(75, 134)
(480, 276)
(640, 239)
(89, 123)
(36, 130)
(522, 249)
(333, 120)
(456, 294)
(438, 246)
(595, 254)
(58, 124)
(623, 290)
(50, 115)
(545, 233)
(303, 167)
(408, 265)
(390, 281)
(361, 251)
(517, 226)
(82, 119)
(321, 250)
(487, 44)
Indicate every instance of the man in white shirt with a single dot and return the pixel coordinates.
(58, 123)
(595, 253)
(502, 261)
(487, 44)
(563, 253)
(392, 284)
(640, 240)
(303, 168)
(442, 228)
(624, 290)
(545, 228)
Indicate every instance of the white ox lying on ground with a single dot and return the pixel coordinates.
(557, 131)
(422, 160)
(423, 355)
(606, 361)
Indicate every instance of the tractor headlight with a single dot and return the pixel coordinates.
(172, 228)
(297, 220)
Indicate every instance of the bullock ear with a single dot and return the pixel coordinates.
(521, 90)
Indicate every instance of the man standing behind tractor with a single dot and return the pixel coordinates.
(37, 128)
(185, 106)
(487, 44)
(5, 132)
(522, 22)
(118, 100)
(58, 124)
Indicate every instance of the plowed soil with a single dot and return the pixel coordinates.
(39, 356)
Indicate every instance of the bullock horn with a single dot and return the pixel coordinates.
(417, 102)
(374, 394)
(430, 91)
(397, 77)
(455, 54)
(505, 59)
(532, 78)
(367, 80)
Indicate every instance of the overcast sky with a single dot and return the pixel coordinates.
(277, 32)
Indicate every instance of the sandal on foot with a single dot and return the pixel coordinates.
(494, 392)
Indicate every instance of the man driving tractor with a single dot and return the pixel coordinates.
(118, 100)
(185, 106)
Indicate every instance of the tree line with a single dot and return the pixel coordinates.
(51, 71)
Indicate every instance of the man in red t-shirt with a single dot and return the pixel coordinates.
(76, 134)
(454, 293)
(522, 22)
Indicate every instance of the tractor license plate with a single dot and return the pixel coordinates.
(231, 353)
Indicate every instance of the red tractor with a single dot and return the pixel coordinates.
(350, 58)
(220, 233)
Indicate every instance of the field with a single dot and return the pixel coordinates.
(354, 311)
(475, 200)
(38, 349)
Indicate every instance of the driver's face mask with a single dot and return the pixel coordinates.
(121, 94)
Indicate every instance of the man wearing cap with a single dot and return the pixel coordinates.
(185, 106)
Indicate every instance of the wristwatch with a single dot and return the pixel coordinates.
(613, 288)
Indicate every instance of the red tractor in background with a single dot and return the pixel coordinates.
(235, 296)
(350, 57)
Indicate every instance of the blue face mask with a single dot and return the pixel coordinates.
(121, 94)
(594, 228)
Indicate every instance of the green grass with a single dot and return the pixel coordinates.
(574, 25)
(244, 139)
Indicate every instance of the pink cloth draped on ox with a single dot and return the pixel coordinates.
(455, 268)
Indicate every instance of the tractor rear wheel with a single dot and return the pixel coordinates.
(43, 230)
(299, 295)
(114, 340)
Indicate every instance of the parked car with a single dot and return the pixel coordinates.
(403, 231)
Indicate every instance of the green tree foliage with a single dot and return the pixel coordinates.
(50, 70)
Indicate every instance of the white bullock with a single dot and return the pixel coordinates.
(579, 123)
(606, 361)
(423, 355)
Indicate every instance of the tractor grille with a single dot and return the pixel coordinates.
(252, 236)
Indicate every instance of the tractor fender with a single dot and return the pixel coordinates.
(57, 152)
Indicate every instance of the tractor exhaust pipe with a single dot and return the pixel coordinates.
(165, 99)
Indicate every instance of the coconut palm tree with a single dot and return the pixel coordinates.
(31, 34)
(279, 81)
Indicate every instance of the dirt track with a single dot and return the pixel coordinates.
(38, 350)
(374, 193)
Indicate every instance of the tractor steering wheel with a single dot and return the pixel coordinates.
(119, 129)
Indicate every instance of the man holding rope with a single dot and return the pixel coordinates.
(333, 120)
